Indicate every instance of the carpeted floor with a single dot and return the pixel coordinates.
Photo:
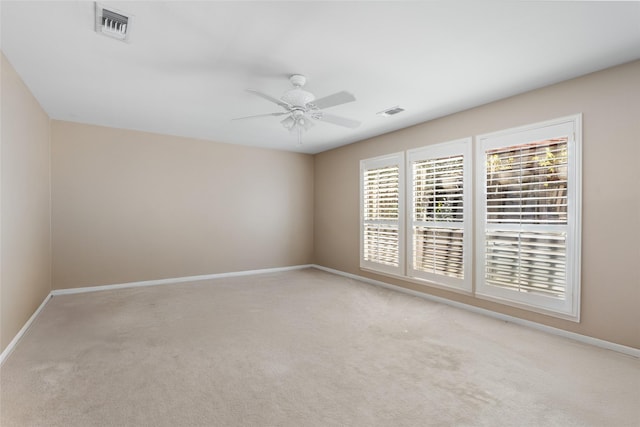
(301, 348)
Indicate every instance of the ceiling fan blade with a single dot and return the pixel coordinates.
(337, 120)
(270, 98)
(262, 115)
(333, 100)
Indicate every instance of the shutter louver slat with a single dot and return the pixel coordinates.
(381, 195)
(438, 250)
(438, 216)
(527, 185)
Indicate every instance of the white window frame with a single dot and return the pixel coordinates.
(569, 307)
(396, 159)
(446, 149)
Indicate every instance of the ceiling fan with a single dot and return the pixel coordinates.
(302, 107)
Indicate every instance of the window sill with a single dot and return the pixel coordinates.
(530, 308)
(501, 301)
(421, 282)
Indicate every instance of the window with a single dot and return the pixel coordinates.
(440, 202)
(382, 213)
(528, 214)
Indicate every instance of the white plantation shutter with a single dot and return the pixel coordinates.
(527, 261)
(382, 212)
(527, 211)
(527, 184)
(440, 203)
(529, 216)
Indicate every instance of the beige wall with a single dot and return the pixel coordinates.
(25, 265)
(133, 206)
(610, 103)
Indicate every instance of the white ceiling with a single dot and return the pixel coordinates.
(187, 64)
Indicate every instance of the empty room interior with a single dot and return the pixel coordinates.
(320, 213)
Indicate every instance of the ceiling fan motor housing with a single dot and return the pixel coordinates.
(298, 97)
(298, 80)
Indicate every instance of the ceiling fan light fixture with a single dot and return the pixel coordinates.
(306, 124)
(288, 122)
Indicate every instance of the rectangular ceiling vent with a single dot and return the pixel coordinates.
(391, 111)
(113, 23)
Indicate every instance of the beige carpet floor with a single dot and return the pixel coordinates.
(301, 348)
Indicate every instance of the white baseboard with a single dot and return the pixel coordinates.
(11, 346)
(7, 351)
(571, 335)
(561, 332)
(174, 280)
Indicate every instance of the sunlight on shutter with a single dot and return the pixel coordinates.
(381, 194)
(438, 250)
(527, 184)
(526, 217)
(437, 189)
(527, 262)
(381, 244)
(438, 216)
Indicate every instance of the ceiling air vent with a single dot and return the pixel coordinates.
(391, 111)
(113, 23)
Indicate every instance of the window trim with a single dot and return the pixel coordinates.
(569, 309)
(570, 126)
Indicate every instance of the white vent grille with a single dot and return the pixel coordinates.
(113, 23)
(391, 111)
